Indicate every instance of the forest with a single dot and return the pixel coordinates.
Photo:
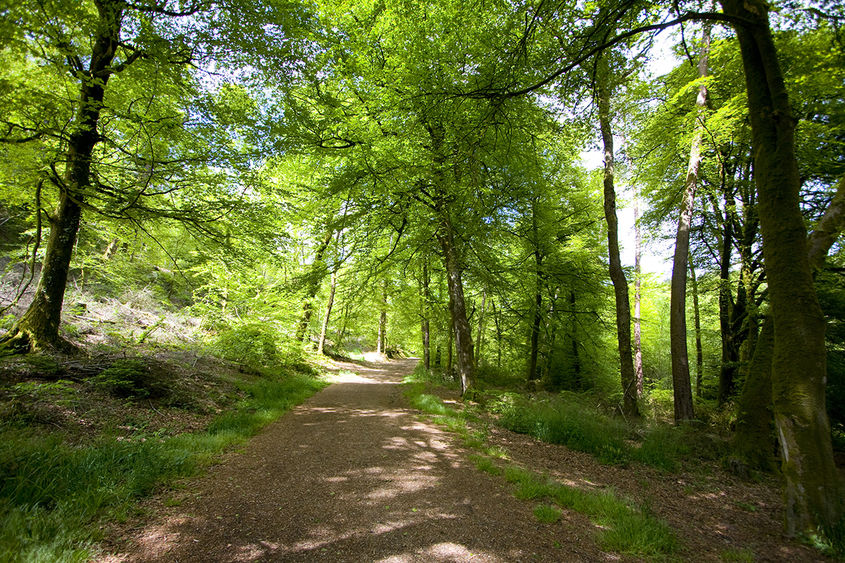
(611, 226)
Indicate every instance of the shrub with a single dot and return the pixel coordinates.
(252, 344)
(131, 378)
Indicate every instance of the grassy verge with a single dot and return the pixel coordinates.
(54, 495)
(567, 420)
(624, 526)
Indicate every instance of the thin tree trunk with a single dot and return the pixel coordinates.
(699, 353)
(638, 349)
(382, 320)
(315, 279)
(617, 274)
(449, 349)
(498, 324)
(677, 308)
(813, 489)
(479, 338)
(534, 335)
(426, 325)
(322, 342)
(728, 363)
(457, 305)
(39, 325)
(341, 334)
(576, 357)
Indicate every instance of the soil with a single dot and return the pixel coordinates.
(354, 475)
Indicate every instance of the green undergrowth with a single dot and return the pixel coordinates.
(566, 419)
(623, 527)
(55, 495)
(571, 420)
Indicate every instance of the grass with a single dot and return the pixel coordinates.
(54, 495)
(546, 514)
(568, 421)
(623, 526)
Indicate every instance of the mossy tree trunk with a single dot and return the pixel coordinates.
(457, 305)
(753, 441)
(812, 486)
(426, 323)
(381, 346)
(321, 344)
(38, 327)
(638, 348)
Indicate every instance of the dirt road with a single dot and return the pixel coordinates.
(353, 475)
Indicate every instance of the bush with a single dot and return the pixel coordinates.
(131, 378)
(252, 344)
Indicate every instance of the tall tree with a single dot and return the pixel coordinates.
(39, 326)
(677, 309)
(813, 489)
(603, 94)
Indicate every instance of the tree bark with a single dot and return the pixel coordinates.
(426, 323)
(498, 324)
(617, 274)
(382, 320)
(753, 440)
(812, 487)
(322, 342)
(576, 357)
(315, 278)
(457, 305)
(39, 325)
(638, 349)
(479, 338)
(699, 352)
(677, 308)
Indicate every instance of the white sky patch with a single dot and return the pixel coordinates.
(656, 254)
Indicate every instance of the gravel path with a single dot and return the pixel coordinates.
(354, 475)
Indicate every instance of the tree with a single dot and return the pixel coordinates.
(604, 92)
(813, 490)
(678, 317)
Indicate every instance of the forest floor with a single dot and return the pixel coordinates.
(353, 474)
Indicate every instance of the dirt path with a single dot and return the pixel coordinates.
(353, 475)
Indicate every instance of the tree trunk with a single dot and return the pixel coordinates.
(479, 338)
(457, 305)
(753, 440)
(315, 279)
(728, 364)
(638, 349)
(677, 307)
(322, 342)
(813, 489)
(382, 320)
(450, 347)
(576, 357)
(498, 324)
(39, 325)
(617, 274)
(426, 324)
(699, 353)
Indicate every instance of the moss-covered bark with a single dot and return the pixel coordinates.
(38, 327)
(812, 487)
